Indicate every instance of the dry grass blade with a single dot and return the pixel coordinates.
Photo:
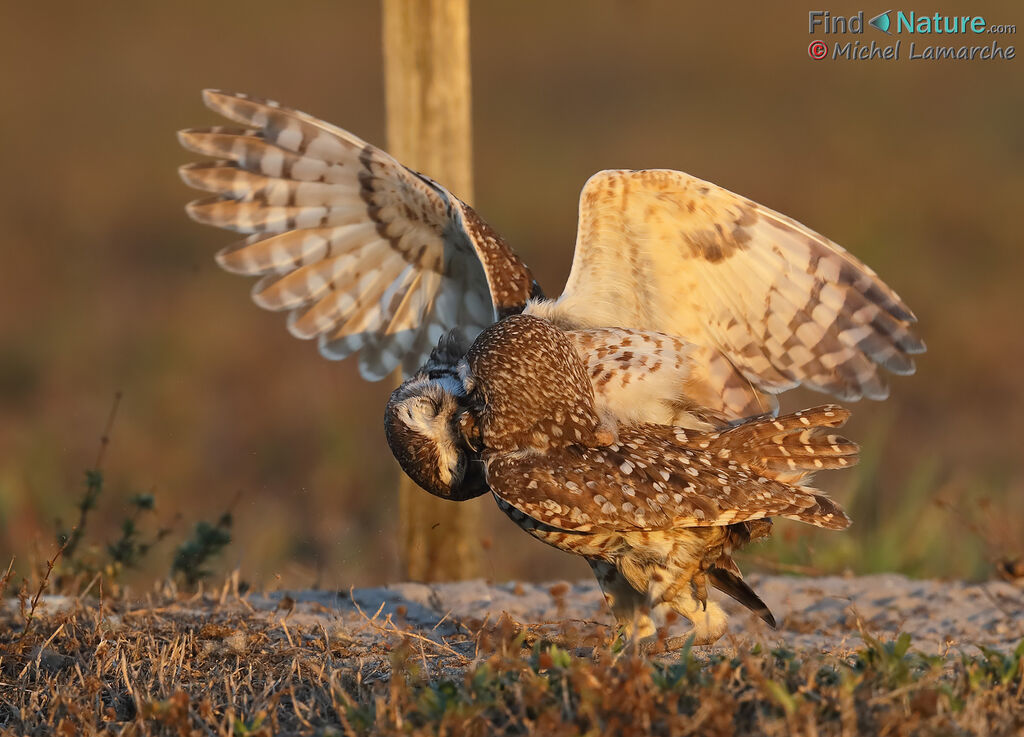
(6, 578)
(406, 633)
(44, 581)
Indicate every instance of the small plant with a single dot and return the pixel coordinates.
(69, 539)
(129, 549)
(994, 667)
(251, 728)
(206, 542)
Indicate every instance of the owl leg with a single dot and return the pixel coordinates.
(627, 604)
(671, 594)
(709, 621)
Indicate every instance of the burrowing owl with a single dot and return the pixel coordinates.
(689, 305)
(655, 509)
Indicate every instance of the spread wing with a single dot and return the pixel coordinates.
(363, 253)
(657, 477)
(661, 250)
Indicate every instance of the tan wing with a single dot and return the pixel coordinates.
(661, 250)
(657, 477)
(364, 254)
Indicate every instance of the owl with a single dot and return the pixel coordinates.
(689, 306)
(655, 509)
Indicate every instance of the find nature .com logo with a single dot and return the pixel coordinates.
(897, 24)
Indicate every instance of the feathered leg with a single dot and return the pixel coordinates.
(628, 605)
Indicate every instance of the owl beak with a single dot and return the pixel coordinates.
(467, 427)
(458, 474)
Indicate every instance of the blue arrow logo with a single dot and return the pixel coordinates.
(881, 22)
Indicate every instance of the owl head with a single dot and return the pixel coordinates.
(424, 424)
(429, 428)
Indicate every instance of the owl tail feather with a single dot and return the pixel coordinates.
(729, 583)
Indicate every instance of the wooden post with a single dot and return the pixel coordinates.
(426, 77)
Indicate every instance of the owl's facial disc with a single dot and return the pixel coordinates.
(431, 417)
(422, 424)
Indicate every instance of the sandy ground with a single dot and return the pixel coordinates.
(825, 614)
(814, 614)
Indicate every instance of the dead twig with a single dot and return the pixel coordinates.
(6, 578)
(44, 581)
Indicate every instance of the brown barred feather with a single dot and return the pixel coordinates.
(367, 255)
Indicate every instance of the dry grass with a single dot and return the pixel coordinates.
(203, 664)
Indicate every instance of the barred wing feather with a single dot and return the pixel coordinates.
(660, 250)
(364, 254)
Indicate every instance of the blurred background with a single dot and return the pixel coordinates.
(106, 286)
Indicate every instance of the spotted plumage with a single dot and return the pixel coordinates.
(523, 399)
(657, 509)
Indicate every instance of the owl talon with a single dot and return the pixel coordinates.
(681, 641)
(649, 645)
(700, 589)
(660, 645)
(470, 431)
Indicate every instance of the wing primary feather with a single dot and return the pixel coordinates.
(305, 190)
